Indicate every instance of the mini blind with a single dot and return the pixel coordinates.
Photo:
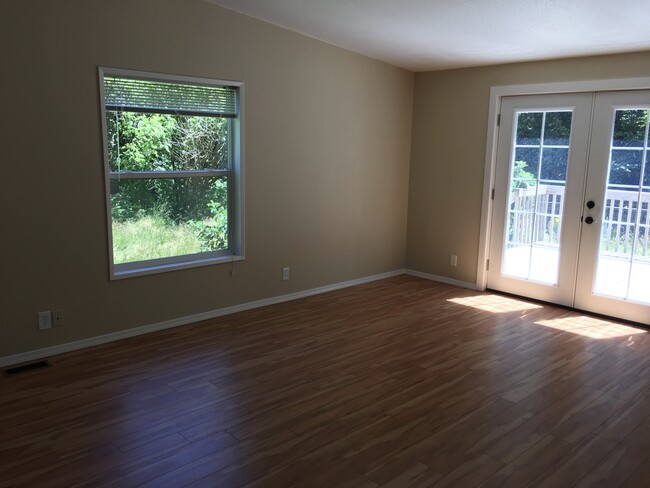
(140, 95)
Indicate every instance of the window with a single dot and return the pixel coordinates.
(173, 171)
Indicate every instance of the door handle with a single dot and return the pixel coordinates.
(590, 204)
(589, 220)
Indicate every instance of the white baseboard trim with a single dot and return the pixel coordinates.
(168, 324)
(441, 279)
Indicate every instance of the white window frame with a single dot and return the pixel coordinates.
(235, 251)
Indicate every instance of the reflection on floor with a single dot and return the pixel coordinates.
(595, 328)
(592, 327)
(494, 303)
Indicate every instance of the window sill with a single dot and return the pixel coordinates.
(162, 268)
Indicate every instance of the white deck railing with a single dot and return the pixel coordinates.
(535, 219)
(619, 222)
(535, 215)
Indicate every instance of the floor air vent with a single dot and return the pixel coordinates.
(25, 368)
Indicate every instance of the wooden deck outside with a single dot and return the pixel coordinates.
(397, 383)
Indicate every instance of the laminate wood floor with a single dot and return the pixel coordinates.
(397, 383)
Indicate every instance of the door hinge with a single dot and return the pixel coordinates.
(498, 119)
(487, 265)
(492, 193)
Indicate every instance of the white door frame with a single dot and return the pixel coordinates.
(496, 94)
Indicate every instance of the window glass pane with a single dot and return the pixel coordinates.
(163, 142)
(159, 218)
(526, 162)
(623, 265)
(625, 167)
(557, 128)
(535, 204)
(529, 128)
(640, 267)
(629, 128)
(554, 165)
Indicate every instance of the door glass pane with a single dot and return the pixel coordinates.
(623, 267)
(538, 172)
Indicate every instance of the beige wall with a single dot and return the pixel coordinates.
(450, 115)
(327, 153)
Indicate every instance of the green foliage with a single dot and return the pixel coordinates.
(522, 178)
(629, 133)
(161, 142)
(213, 232)
(629, 128)
(140, 142)
(199, 143)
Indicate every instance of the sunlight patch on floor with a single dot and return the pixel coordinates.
(592, 327)
(494, 303)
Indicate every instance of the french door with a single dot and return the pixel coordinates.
(571, 216)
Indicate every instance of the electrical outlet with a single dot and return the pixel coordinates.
(453, 260)
(57, 318)
(285, 274)
(44, 320)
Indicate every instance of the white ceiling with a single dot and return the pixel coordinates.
(422, 35)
